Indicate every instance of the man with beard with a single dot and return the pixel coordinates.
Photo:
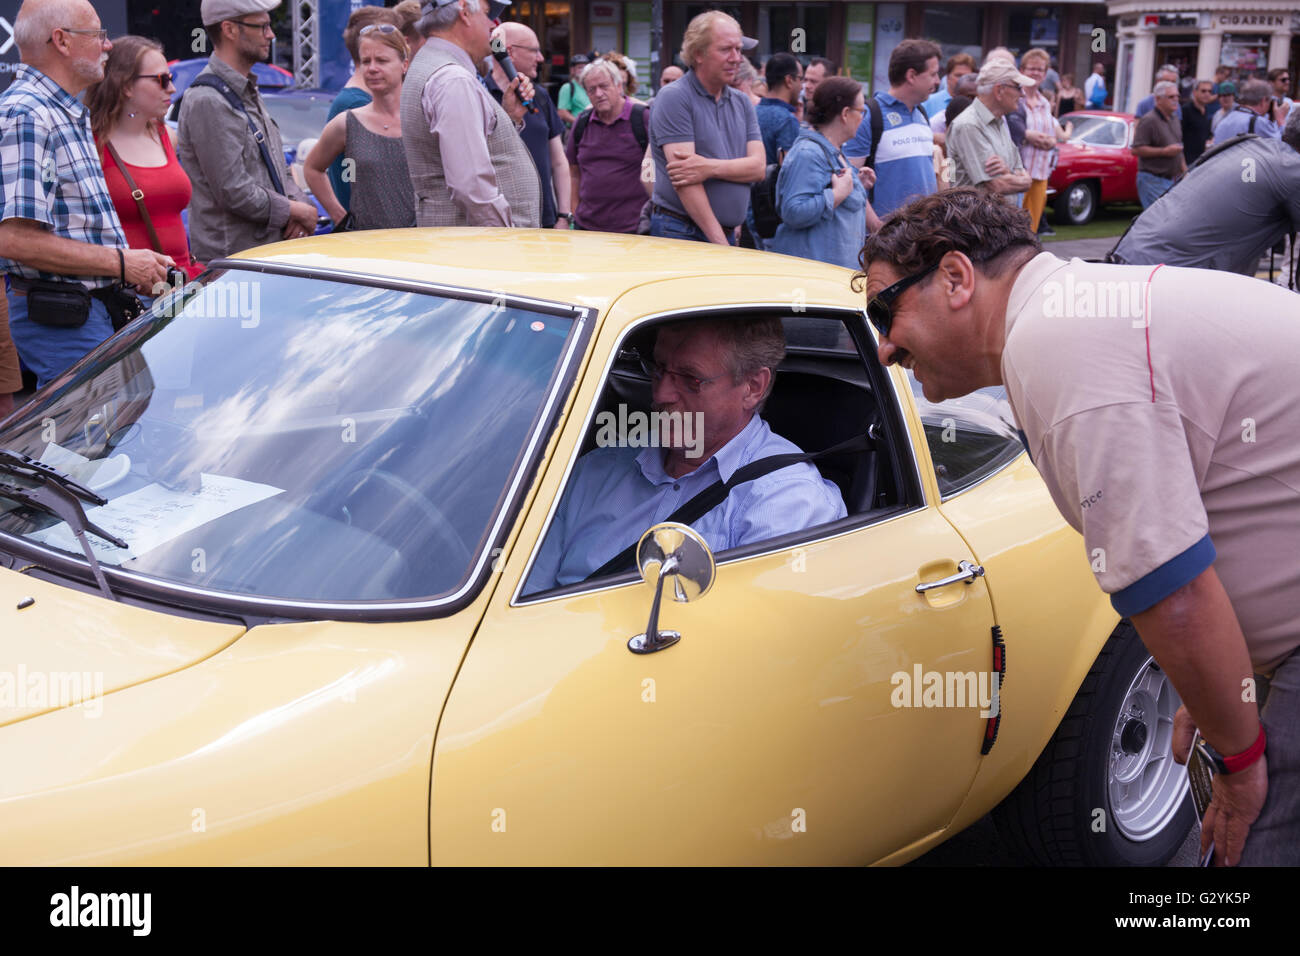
(57, 222)
(243, 193)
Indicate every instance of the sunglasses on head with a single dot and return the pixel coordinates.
(377, 28)
(880, 308)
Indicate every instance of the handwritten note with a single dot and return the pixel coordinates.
(154, 515)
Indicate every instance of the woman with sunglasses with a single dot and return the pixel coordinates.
(136, 149)
(820, 196)
(371, 137)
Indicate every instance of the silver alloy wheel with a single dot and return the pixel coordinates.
(1145, 786)
(1079, 201)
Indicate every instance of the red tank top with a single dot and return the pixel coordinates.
(166, 193)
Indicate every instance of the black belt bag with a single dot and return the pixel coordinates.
(60, 305)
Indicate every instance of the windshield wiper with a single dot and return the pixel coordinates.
(58, 495)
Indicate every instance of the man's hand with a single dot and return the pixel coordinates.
(690, 170)
(1173, 149)
(1235, 805)
(520, 89)
(146, 268)
(302, 220)
(1235, 800)
(841, 185)
(996, 166)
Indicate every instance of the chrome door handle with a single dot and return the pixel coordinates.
(967, 571)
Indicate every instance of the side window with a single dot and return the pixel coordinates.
(822, 398)
(970, 437)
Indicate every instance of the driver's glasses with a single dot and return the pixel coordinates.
(880, 308)
(657, 372)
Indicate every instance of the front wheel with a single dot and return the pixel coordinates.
(1106, 791)
(1078, 204)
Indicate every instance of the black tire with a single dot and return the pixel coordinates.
(1052, 818)
(1078, 203)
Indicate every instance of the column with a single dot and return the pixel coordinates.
(1279, 49)
(1144, 68)
(1207, 57)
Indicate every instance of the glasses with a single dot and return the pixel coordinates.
(100, 35)
(856, 109)
(384, 28)
(164, 79)
(880, 309)
(689, 382)
(535, 50)
(263, 27)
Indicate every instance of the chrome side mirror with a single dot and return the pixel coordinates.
(671, 551)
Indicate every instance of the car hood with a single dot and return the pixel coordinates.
(61, 647)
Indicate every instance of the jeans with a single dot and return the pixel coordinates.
(1274, 839)
(48, 351)
(1151, 187)
(670, 227)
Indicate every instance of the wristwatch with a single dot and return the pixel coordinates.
(1234, 763)
(565, 216)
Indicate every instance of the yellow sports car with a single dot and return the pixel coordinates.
(267, 587)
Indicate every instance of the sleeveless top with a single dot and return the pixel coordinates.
(166, 192)
(382, 197)
(516, 175)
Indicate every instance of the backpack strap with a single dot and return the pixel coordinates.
(1250, 128)
(221, 86)
(877, 131)
(580, 127)
(638, 126)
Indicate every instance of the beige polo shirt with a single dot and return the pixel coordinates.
(1160, 406)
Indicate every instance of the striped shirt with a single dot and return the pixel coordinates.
(1038, 119)
(50, 171)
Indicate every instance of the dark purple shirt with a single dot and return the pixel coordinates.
(609, 161)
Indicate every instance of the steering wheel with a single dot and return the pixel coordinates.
(444, 529)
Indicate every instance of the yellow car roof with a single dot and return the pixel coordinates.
(583, 268)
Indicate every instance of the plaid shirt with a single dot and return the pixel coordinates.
(50, 170)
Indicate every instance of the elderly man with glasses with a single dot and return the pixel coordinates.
(468, 163)
(1158, 145)
(230, 147)
(57, 222)
(979, 143)
(710, 377)
(1156, 404)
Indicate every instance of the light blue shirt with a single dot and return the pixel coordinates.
(616, 494)
(938, 101)
(1238, 121)
(812, 226)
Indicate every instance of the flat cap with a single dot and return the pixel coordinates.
(998, 70)
(214, 11)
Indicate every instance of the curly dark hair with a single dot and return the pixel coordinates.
(985, 227)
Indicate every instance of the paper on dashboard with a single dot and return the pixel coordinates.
(153, 515)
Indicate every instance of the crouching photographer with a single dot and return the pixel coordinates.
(62, 248)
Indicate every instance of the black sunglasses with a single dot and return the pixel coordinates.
(164, 79)
(880, 308)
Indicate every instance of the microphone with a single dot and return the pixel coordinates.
(508, 66)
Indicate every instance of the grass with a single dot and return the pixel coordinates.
(1109, 221)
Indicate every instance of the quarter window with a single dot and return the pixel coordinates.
(970, 437)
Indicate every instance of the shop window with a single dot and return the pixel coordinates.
(956, 30)
(777, 23)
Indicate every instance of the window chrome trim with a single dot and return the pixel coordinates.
(73, 565)
(616, 581)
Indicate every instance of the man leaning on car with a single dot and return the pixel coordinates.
(721, 372)
(1174, 455)
(238, 202)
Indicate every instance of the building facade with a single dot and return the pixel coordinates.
(1248, 37)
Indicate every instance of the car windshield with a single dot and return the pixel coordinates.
(1099, 131)
(298, 439)
(299, 115)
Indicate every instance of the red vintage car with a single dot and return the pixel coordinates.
(1095, 166)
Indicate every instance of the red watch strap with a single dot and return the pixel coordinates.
(1238, 762)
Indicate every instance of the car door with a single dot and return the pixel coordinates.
(782, 728)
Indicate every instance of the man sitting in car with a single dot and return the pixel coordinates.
(716, 374)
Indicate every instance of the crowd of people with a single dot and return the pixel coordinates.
(429, 130)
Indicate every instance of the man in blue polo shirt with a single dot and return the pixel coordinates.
(903, 159)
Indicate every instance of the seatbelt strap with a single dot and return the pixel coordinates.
(716, 493)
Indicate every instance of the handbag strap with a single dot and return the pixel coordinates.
(137, 194)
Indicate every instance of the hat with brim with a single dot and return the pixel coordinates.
(214, 11)
(1226, 89)
(998, 71)
(748, 43)
(495, 7)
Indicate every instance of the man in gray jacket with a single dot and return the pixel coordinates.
(485, 176)
(239, 201)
